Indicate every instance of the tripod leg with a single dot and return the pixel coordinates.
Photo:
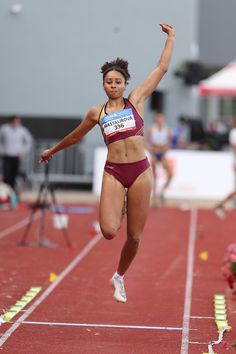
(23, 241)
(42, 241)
(41, 238)
(58, 212)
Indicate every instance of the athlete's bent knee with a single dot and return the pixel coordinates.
(108, 233)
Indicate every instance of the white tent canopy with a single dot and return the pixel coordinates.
(222, 83)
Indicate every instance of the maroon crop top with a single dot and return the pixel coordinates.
(121, 124)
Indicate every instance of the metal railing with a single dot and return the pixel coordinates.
(67, 166)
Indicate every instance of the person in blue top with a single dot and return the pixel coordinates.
(127, 171)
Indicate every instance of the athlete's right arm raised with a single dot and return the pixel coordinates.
(75, 136)
(143, 91)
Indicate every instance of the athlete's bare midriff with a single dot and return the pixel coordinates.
(126, 150)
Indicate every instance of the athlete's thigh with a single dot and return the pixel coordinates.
(111, 201)
(138, 202)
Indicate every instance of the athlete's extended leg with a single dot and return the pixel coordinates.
(110, 220)
(229, 197)
(219, 208)
(138, 206)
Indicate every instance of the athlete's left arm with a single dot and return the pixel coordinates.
(143, 91)
(73, 137)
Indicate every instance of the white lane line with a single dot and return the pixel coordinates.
(51, 287)
(104, 325)
(17, 226)
(189, 281)
(203, 317)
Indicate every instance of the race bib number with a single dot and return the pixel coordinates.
(118, 122)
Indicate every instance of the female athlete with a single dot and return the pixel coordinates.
(127, 171)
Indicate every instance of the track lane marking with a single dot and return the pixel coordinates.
(189, 281)
(17, 226)
(203, 317)
(51, 287)
(101, 325)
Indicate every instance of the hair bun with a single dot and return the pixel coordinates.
(118, 64)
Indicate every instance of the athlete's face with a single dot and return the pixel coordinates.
(114, 84)
(160, 120)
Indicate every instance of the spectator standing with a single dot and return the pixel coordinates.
(15, 142)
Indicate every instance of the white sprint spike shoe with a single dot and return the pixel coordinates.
(118, 284)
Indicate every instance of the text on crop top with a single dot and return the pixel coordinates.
(121, 124)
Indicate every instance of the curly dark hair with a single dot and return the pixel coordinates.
(118, 64)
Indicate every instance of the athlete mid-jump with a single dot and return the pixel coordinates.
(127, 170)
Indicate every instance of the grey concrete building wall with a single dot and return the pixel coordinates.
(217, 31)
(51, 53)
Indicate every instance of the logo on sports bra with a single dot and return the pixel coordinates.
(118, 122)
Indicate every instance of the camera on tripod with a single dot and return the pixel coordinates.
(41, 204)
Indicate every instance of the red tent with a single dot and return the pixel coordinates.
(222, 83)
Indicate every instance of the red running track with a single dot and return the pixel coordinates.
(169, 288)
